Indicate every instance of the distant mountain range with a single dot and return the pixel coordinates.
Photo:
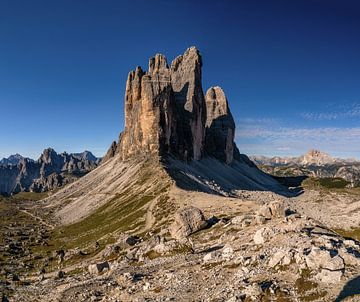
(314, 163)
(12, 160)
(312, 157)
(50, 171)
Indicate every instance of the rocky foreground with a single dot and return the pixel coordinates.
(217, 249)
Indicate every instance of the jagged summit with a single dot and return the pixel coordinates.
(166, 113)
(12, 159)
(317, 157)
(50, 171)
(312, 157)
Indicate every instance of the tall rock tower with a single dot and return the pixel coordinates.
(166, 113)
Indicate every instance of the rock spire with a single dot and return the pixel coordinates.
(166, 113)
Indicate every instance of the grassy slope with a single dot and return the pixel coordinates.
(126, 212)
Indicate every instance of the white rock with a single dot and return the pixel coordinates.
(227, 252)
(146, 286)
(349, 258)
(277, 208)
(253, 291)
(208, 257)
(264, 211)
(243, 220)
(262, 235)
(98, 267)
(276, 258)
(350, 243)
(299, 259)
(327, 276)
(322, 259)
(212, 256)
(187, 221)
(258, 219)
(287, 259)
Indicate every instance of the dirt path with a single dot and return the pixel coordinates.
(150, 218)
(37, 218)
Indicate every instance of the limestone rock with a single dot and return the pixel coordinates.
(220, 126)
(166, 113)
(277, 208)
(281, 257)
(327, 276)
(273, 209)
(98, 267)
(227, 252)
(262, 235)
(187, 221)
(320, 258)
(265, 211)
(186, 82)
(211, 256)
(111, 152)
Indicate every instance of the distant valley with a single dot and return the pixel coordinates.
(315, 164)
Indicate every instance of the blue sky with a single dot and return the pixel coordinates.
(290, 69)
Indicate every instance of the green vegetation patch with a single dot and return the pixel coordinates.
(119, 215)
(327, 183)
(33, 196)
(351, 233)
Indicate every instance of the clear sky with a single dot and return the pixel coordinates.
(290, 69)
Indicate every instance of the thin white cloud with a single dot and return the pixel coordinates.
(274, 140)
(341, 111)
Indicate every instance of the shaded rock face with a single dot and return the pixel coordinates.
(8, 176)
(50, 171)
(166, 113)
(220, 126)
(190, 103)
(111, 152)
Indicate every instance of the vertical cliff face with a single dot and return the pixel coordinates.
(190, 102)
(166, 113)
(220, 126)
(147, 96)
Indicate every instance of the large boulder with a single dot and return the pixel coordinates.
(272, 209)
(262, 235)
(98, 268)
(187, 221)
(322, 259)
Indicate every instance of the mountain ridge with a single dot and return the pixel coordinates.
(50, 171)
(314, 164)
(313, 156)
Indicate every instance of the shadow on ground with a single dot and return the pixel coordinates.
(212, 176)
(350, 289)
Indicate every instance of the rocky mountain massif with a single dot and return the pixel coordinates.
(12, 160)
(313, 164)
(166, 112)
(50, 171)
(175, 213)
